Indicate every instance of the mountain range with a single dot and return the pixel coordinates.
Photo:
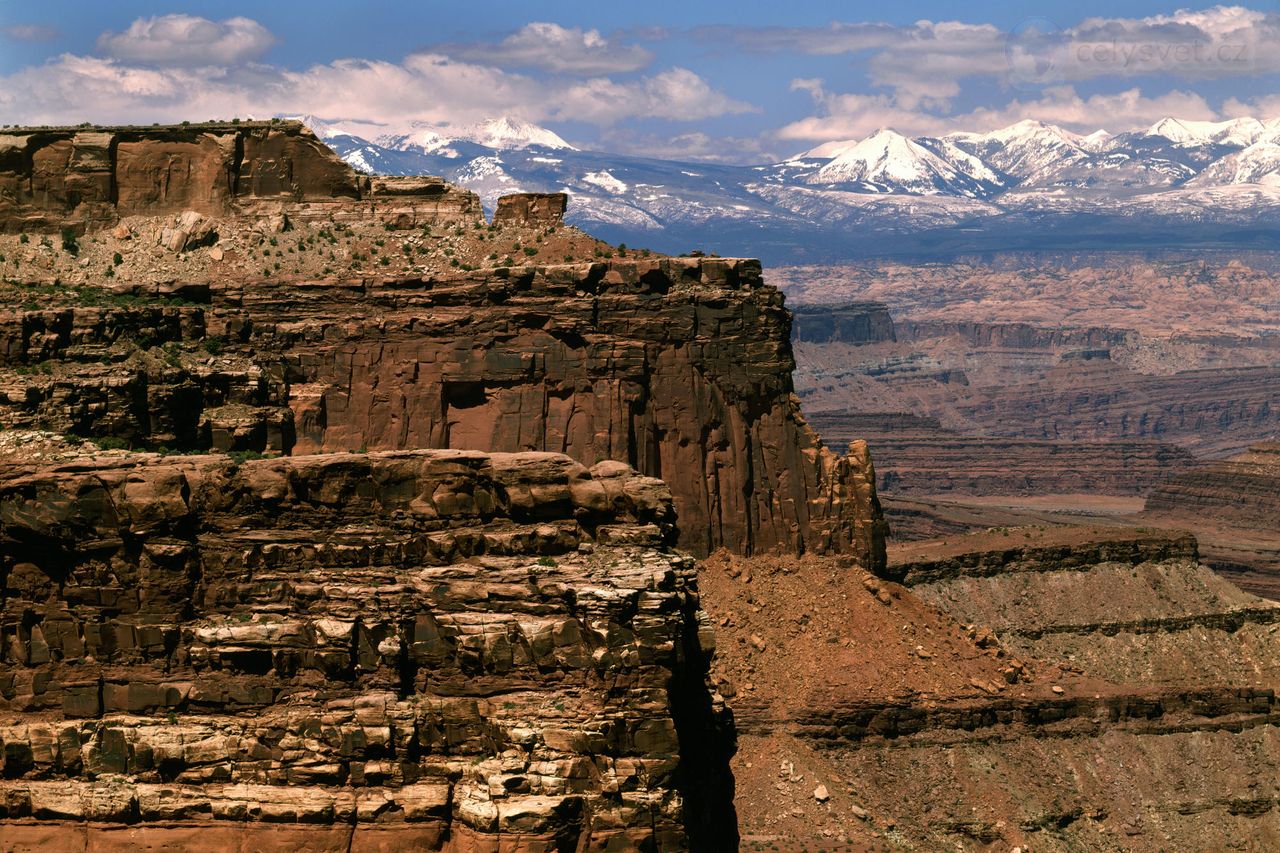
(1176, 185)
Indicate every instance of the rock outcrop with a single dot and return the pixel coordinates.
(850, 323)
(429, 649)
(446, 611)
(1243, 491)
(88, 178)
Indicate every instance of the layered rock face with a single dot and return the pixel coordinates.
(86, 178)
(424, 622)
(1233, 506)
(531, 209)
(428, 649)
(678, 367)
(917, 456)
(1243, 491)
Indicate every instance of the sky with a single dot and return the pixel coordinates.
(739, 81)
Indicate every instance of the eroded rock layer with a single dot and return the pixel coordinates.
(916, 456)
(1054, 689)
(427, 649)
(1233, 505)
(678, 367)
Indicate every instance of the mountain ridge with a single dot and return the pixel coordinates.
(1178, 182)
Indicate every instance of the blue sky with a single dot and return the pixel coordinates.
(745, 81)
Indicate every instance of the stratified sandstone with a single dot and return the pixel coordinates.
(423, 622)
(1243, 491)
(917, 456)
(1233, 505)
(1052, 690)
(428, 649)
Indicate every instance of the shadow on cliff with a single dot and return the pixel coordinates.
(708, 740)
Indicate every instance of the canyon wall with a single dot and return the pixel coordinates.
(916, 456)
(679, 367)
(1232, 505)
(448, 610)
(430, 649)
(850, 323)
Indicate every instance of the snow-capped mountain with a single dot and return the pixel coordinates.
(1030, 185)
(889, 162)
(1257, 164)
(1027, 152)
(1236, 132)
(500, 134)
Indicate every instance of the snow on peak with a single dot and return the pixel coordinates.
(827, 150)
(1258, 163)
(888, 161)
(506, 133)
(330, 128)
(1239, 131)
(1096, 141)
(1029, 129)
(500, 134)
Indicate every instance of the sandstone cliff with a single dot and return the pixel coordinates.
(679, 367)
(89, 177)
(350, 652)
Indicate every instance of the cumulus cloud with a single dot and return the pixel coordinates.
(30, 32)
(916, 72)
(926, 62)
(188, 40)
(560, 50)
(677, 94)
(425, 87)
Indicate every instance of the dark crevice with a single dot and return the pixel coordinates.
(708, 741)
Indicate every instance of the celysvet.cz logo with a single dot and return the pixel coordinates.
(1036, 49)
(1040, 52)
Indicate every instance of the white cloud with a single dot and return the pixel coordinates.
(852, 115)
(560, 50)
(924, 64)
(677, 94)
(426, 87)
(188, 40)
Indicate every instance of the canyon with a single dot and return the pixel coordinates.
(1029, 389)
(334, 515)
